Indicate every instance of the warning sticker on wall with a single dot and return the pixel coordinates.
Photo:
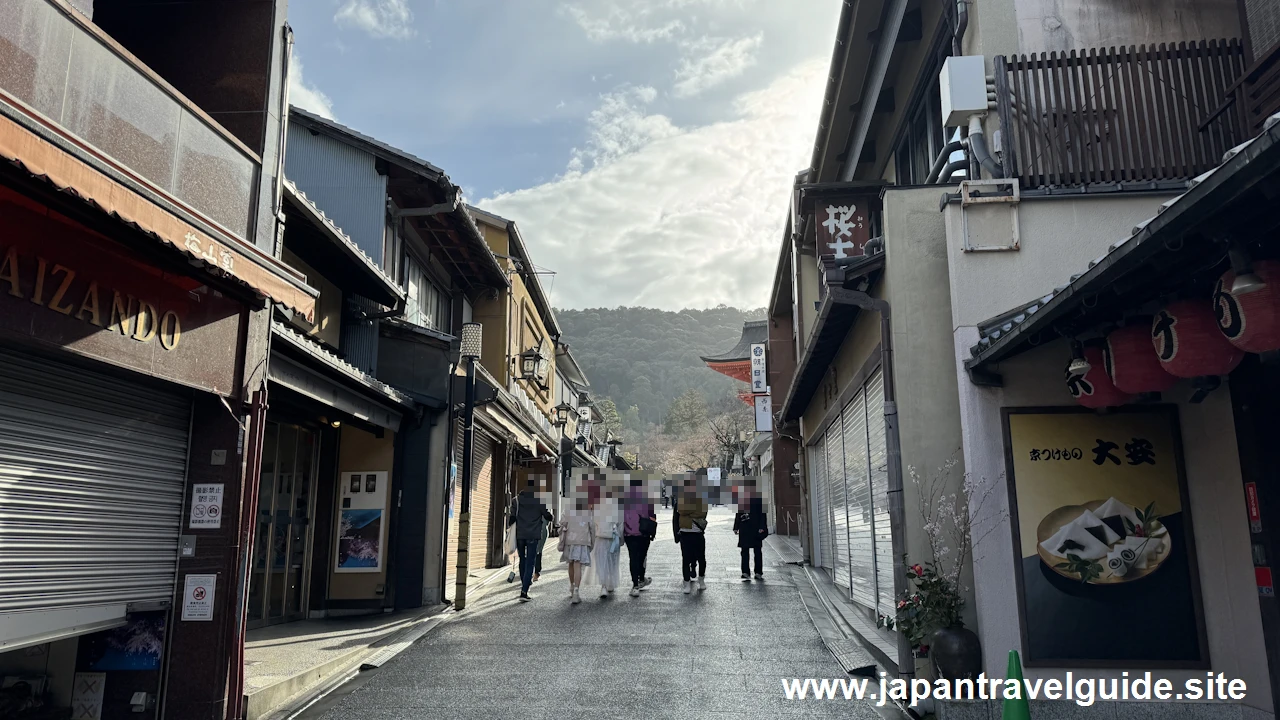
(206, 506)
(197, 597)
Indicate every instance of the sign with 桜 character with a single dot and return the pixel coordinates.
(197, 597)
(1106, 567)
(843, 226)
(759, 368)
(206, 506)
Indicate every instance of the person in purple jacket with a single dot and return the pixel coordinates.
(639, 525)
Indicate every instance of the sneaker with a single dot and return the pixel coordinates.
(524, 597)
(635, 591)
(688, 586)
(646, 583)
(759, 576)
(576, 598)
(604, 593)
(536, 576)
(702, 583)
(745, 576)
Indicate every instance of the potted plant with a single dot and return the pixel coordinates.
(928, 612)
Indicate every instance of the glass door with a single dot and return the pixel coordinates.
(282, 546)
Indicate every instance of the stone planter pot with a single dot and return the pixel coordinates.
(956, 653)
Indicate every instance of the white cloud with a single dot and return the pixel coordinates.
(380, 18)
(307, 97)
(654, 214)
(712, 61)
(627, 22)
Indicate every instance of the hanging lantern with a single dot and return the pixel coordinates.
(1132, 364)
(1092, 388)
(1249, 313)
(1188, 342)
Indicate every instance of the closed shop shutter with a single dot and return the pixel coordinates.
(92, 481)
(454, 500)
(481, 494)
(839, 500)
(862, 561)
(879, 467)
(818, 485)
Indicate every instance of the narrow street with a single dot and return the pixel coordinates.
(717, 653)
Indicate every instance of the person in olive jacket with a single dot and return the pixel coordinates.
(690, 520)
(751, 527)
(530, 517)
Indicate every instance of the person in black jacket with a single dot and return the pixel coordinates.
(530, 517)
(752, 527)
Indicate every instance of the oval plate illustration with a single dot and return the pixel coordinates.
(1100, 573)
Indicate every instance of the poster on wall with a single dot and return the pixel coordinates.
(134, 646)
(1107, 574)
(360, 522)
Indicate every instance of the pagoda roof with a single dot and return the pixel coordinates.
(754, 331)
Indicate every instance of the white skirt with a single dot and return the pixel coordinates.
(576, 553)
(604, 569)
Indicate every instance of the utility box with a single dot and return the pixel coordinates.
(963, 83)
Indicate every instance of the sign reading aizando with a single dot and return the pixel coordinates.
(64, 290)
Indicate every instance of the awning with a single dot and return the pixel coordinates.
(522, 437)
(335, 255)
(835, 318)
(220, 253)
(306, 368)
(1161, 255)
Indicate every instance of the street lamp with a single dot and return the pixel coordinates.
(472, 342)
(531, 364)
(563, 410)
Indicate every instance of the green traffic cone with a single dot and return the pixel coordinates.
(1015, 709)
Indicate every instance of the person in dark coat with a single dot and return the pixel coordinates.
(530, 517)
(752, 527)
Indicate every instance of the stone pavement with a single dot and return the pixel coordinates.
(718, 653)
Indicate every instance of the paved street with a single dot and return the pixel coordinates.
(719, 653)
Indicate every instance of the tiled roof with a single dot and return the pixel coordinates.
(1009, 322)
(317, 351)
(754, 331)
(338, 234)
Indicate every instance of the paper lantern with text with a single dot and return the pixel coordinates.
(1094, 389)
(1188, 342)
(1250, 321)
(1132, 364)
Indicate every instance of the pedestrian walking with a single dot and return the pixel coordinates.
(577, 536)
(530, 517)
(640, 525)
(752, 527)
(607, 518)
(691, 526)
(666, 498)
(537, 558)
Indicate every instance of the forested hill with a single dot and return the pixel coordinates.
(646, 357)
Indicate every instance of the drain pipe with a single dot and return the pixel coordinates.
(893, 452)
(941, 162)
(978, 148)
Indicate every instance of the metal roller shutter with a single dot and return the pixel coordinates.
(481, 493)
(92, 478)
(862, 560)
(878, 463)
(821, 512)
(839, 502)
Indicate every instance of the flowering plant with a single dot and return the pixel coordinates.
(931, 602)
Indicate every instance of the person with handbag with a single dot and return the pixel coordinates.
(751, 527)
(691, 527)
(577, 536)
(639, 526)
(529, 517)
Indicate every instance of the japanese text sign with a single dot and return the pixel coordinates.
(759, 368)
(206, 506)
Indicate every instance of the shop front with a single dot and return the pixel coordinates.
(1138, 493)
(123, 420)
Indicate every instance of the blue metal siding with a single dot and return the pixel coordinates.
(343, 182)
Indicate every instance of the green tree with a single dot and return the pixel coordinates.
(687, 413)
(609, 411)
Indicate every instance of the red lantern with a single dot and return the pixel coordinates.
(1094, 389)
(1132, 364)
(1189, 343)
(1250, 321)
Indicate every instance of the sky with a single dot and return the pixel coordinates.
(644, 147)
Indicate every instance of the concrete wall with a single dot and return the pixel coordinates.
(928, 405)
(1228, 591)
(1059, 238)
(362, 451)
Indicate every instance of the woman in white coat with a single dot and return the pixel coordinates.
(607, 518)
